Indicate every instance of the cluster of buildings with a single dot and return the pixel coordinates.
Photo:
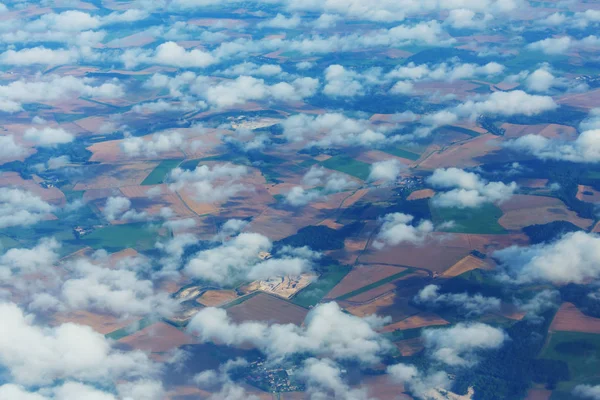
(274, 380)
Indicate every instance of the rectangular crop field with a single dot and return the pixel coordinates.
(117, 237)
(158, 175)
(376, 284)
(348, 166)
(581, 352)
(402, 153)
(480, 220)
(314, 292)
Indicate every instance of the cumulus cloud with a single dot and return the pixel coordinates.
(470, 305)
(21, 208)
(324, 381)
(340, 82)
(327, 331)
(210, 185)
(587, 392)
(157, 144)
(248, 88)
(115, 207)
(18, 261)
(397, 228)
(281, 21)
(460, 344)
(574, 258)
(464, 18)
(252, 69)
(540, 80)
(333, 129)
(386, 170)
(50, 88)
(552, 45)
(419, 383)
(237, 260)
(327, 183)
(48, 137)
(516, 102)
(168, 54)
(584, 149)
(35, 355)
(39, 55)
(561, 45)
(444, 72)
(9, 149)
(469, 189)
(118, 291)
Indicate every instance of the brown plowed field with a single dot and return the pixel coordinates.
(569, 318)
(157, 338)
(215, 298)
(267, 308)
(362, 275)
(466, 264)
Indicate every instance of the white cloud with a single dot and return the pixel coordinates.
(35, 355)
(333, 129)
(168, 54)
(281, 21)
(324, 380)
(397, 228)
(246, 88)
(39, 55)
(541, 80)
(118, 291)
(157, 144)
(327, 331)
(48, 137)
(444, 72)
(50, 88)
(18, 261)
(469, 189)
(516, 102)
(237, 260)
(386, 170)
(560, 45)
(460, 344)
(584, 149)
(574, 258)
(587, 392)
(340, 82)
(21, 208)
(552, 45)
(419, 383)
(9, 149)
(210, 185)
(115, 207)
(464, 18)
(471, 305)
(251, 69)
(317, 176)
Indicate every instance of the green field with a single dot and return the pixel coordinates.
(458, 129)
(400, 152)
(158, 174)
(480, 220)
(376, 284)
(581, 352)
(239, 300)
(313, 294)
(348, 165)
(118, 237)
(130, 329)
(189, 165)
